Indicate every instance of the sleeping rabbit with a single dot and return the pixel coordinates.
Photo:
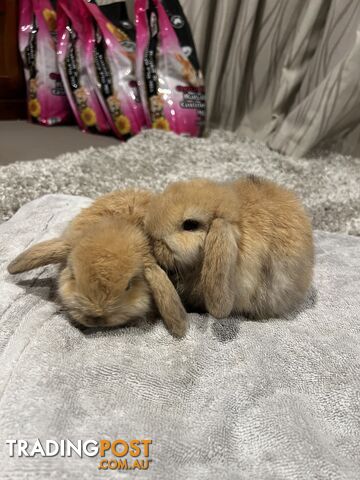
(243, 247)
(108, 275)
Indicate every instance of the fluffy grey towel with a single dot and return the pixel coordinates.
(235, 399)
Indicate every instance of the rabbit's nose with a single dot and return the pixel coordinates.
(95, 320)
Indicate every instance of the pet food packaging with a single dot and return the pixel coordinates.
(113, 68)
(170, 80)
(47, 102)
(76, 38)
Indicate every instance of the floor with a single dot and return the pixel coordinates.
(21, 141)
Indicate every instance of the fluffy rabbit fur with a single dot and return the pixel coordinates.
(108, 275)
(243, 247)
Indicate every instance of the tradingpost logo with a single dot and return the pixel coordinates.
(119, 454)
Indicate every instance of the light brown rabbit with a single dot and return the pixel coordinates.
(243, 247)
(108, 275)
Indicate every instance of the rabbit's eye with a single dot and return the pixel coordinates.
(129, 285)
(191, 225)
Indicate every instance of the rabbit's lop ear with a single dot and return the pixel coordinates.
(44, 253)
(167, 300)
(218, 270)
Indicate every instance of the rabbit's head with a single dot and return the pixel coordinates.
(102, 279)
(108, 276)
(178, 220)
(103, 282)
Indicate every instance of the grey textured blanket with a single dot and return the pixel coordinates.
(235, 399)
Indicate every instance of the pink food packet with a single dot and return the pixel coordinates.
(76, 37)
(47, 102)
(113, 68)
(170, 80)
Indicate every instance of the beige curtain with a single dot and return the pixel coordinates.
(284, 71)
